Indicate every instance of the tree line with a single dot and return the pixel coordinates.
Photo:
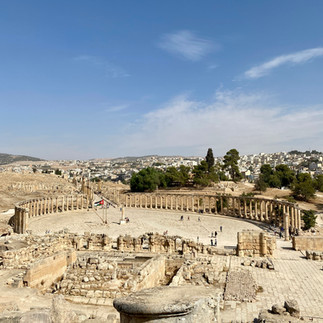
(303, 186)
(201, 175)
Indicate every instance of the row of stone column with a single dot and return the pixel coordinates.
(20, 220)
(269, 211)
(56, 204)
(50, 205)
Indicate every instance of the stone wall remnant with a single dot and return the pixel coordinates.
(308, 243)
(45, 272)
(255, 244)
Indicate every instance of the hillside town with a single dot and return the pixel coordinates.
(121, 169)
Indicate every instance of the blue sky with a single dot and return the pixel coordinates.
(94, 79)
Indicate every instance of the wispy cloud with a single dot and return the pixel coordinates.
(249, 122)
(117, 108)
(294, 58)
(110, 69)
(213, 66)
(187, 45)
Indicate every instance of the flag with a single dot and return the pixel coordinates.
(99, 203)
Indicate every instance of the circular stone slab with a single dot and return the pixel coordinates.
(163, 301)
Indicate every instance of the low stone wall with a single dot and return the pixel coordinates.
(45, 272)
(308, 243)
(202, 272)
(100, 275)
(149, 274)
(254, 243)
(30, 249)
(314, 255)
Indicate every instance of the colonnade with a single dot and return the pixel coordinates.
(279, 213)
(48, 205)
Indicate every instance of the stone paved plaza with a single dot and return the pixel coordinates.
(142, 221)
(294, 276)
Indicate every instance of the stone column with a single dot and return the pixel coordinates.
(67, 204)
(192, 203)
(51, 205)
(299, 219)
(30, 209)
(261, 211)
(221, 202)
(182, 203)
(245, 208)
(256, 210)
(292, 215)
(286, 221)
(36, 206)
(168, 304)
(216, 207)
(250, 208)
(24, 220)
(63, 206)
(40, 207)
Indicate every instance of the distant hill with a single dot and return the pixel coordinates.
(8, 159)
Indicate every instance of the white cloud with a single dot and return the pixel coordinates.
(110, 69)
(250, 123)
(187, 45)
(294, 58)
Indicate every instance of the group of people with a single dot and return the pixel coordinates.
(188, 218)
(214, 240)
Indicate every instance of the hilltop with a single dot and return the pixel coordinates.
(8, 158)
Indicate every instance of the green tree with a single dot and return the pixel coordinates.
(148, 179)
(266, 171)
(319, 183)
(309, 219)
(285, 174)
(303, 188)
(185, 173)
(201, 175)
(177, 177)
(260, 184)
(231, 164)
(58, 172)
(274, 181)
(209, 158)
(173, 177)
